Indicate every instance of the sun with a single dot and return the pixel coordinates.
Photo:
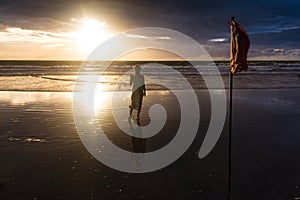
(91, 34)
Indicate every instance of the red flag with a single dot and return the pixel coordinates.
(239, 47)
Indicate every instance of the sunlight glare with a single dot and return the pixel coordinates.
(91, 34)
(102, 98)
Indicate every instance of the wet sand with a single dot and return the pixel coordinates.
(42, 156)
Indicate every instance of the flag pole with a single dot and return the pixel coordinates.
(230, 134)
(239, 47)
(230, 121)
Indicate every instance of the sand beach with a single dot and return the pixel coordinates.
(42, 156)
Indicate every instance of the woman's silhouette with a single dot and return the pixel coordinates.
(138, 91)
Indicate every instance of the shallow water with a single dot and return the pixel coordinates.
(62, 76)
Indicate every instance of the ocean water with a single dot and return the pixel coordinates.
(61, 76)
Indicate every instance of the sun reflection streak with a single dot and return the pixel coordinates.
(93, 94)
(25, 98)
(102, 98)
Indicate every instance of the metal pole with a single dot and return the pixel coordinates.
(230, 136)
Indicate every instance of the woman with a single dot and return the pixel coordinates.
(138, 90)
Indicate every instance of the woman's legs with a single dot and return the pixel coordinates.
(136, 102)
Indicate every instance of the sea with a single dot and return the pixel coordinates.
(62, 76)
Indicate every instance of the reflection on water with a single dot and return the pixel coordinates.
(138, 143)
(101, 98)
(23, 98)
(26, 139)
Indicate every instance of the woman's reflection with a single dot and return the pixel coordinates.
(138, 143)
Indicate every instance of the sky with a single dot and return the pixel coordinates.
(70, 30)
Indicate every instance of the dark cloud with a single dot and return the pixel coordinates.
(271, 23)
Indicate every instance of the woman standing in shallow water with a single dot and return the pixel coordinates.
(138, 91)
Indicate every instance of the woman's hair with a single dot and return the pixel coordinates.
(137, 69)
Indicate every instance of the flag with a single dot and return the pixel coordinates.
(239, 47)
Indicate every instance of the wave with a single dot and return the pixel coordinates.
(54, 76)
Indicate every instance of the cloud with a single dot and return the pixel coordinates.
(35, 36)
(261, 53)
(146, 37)
(54, 45)
(278, 50)
(163, 38)
(218, 40)
(272, 29)
(274, 25)
(135, 36)
(18, 43)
